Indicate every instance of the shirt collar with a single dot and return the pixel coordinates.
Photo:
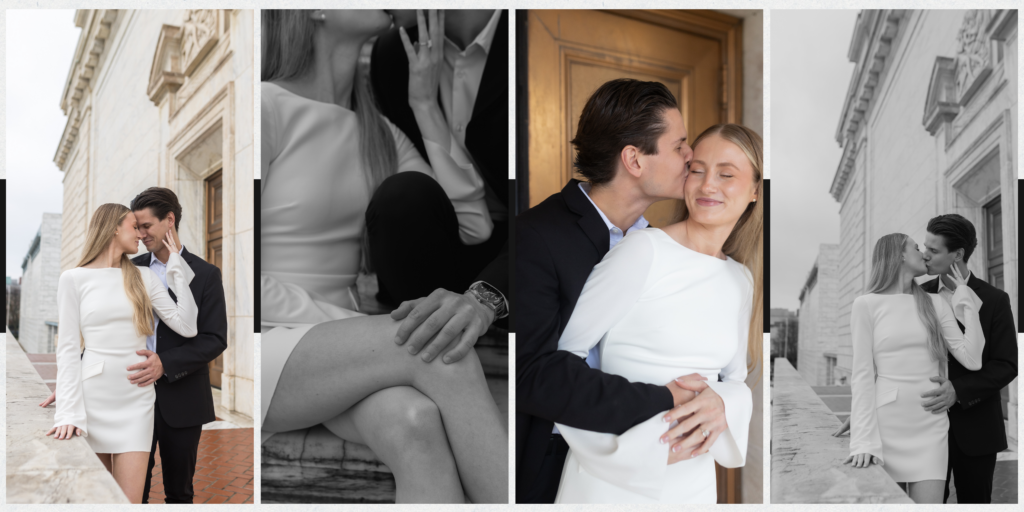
(484, 39)
(942, 285)
(152, 257)
(640, 223)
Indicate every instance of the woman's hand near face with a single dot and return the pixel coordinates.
(425, 58)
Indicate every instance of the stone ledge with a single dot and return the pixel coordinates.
(807, 462)
(39, 470)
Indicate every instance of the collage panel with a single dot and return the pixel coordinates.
(638, 257)
(895, 270)
(384, 286)
(129, 346)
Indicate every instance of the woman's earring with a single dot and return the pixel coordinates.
(323, 16)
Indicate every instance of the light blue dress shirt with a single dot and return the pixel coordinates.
(160, 269)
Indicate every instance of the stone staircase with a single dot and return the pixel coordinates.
(315, 466)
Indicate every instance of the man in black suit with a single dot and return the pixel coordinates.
(972, 399)
(632, 147)
(175, 365)
(411, 215)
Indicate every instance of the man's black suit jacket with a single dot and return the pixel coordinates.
(976, 420)
(183, 393)
(486, 134)
(558, 243)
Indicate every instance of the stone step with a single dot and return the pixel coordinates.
(315, 466)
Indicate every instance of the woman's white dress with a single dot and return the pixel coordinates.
(892, 366)
(93, 391)
(313, 201)
(659, 311)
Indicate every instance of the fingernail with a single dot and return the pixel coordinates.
(677, 448)
(663, 439)
(398, 341)
(447, 359)
(692, 455)
(666, 419)
(427, 357)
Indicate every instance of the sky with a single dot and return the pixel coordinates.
(810, 74)
(37, 67)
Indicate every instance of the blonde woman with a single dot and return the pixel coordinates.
(105, 305)
(900, 338)
(326, 152)
(685, 299)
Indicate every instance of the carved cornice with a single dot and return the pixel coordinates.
(870, 49)
(845, 168)
(973, 54)
(941, 104)
(165, 74)
(199, 36)
(96, 30)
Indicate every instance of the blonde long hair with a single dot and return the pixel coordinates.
(886, 260)
(287, 53)
(746, 242)
(105, 221)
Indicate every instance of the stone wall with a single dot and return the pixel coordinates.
(39, 289)
(41, 469)
(819, 312)
(807, 462)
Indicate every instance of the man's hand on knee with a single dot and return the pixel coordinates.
(445, 322)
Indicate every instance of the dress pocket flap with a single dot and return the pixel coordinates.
(92, 370)
(886, 397)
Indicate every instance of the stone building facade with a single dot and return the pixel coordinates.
(165, 98)
(40, 273)
(817, 341)
(929, 126)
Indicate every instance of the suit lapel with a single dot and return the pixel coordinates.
(590, 221)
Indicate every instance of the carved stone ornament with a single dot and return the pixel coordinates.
(199, 36)
(165, 73)
(974, 55)
(940, 104)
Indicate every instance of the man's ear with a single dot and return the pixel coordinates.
(629, 156)
(959, 254)
(170, 217)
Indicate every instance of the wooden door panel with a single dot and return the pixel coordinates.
(571, 53)
(214, 239)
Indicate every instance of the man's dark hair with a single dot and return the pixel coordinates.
(957, 232)
(160, 201)
(620, 113)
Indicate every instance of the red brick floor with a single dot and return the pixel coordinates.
(224, 471)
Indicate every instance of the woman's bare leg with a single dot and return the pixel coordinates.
(130, 473)
(403, 427)
(105, 459)
(337, 364)
(927, 491)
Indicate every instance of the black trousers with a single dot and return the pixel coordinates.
(179, 450)
(972, 475)
(545, 486)
(414, 240)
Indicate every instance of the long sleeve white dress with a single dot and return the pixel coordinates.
(313, 201)
(891, 368)
(93, 391)
(659, 311)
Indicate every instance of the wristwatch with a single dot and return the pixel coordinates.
(491, 297)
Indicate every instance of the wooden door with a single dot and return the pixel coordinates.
(214, 204)
(696, 54)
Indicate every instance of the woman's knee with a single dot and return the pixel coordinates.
(414, 422)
